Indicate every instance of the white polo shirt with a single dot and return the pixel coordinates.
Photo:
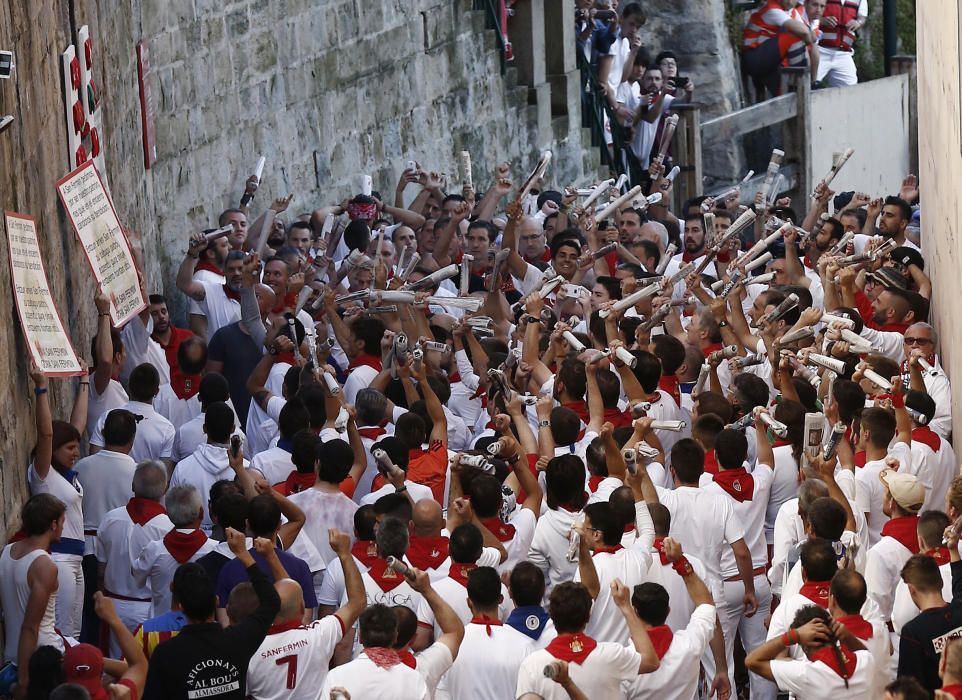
(870, 491)
(362, 678)
(175, 409)
(106, 478)
(784, 487)
(114, 396)
(904, 609)
(274, 463)
(488, 662)
(677, 675)
(156, 566)
(218, 308)
(682, 607)
(933, 462)
(292, 661)
(883, 573)
(812, 679)
(751, 514)
(600, 676)
(119, 544)
(549, 546)
(155, 434)
(456, 595)
(789, 531)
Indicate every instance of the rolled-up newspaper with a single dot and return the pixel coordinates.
(625, 355)
(500, 260)
(760, 247)
(836, 249)
(597, 192)
(877, 379)
(434, 278)
(836, 166)
(394, 296)
(409, 266)
(926, 367)
(666, 258)
(701, 380)
(774, 165)
(466, 178)
(777, 427)
(733, 281)
(536, 174)
(682, 273)
(842, 321)
(674, 426)
(761, 279)
(632, 299)
(615, 205)
(466, 261)
(749, 361)
(758, 262)
(466, 303)
(573, 342)
(330, 381)
(853, 338)
(834, 438)
(725, 353)
(826, 362)
(401, 568)
(212, 236)
(668, 132)
(604, 250)
(360, 295)
(789, 303)
(796, 336)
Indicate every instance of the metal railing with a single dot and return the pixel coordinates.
(496, 18)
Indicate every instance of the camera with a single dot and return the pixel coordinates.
(6, 64)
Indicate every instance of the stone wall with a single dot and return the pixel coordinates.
(324, 89)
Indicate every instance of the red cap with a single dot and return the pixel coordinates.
(84, 665)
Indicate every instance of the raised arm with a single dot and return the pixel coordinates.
(452, 629)
(442, 247)
(185, 273)
(439, 433)
(621, 595)
(43, 456)
(78, 416)
(133, 653)
(103, 346)
(353, 583)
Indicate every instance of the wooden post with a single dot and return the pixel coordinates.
(907, 64)
(687, 150)
(797, 132)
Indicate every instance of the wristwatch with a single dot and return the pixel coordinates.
(723, 324)
(544, 423)
(401, 489)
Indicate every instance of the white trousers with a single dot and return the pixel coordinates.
(839, 66)
(132, 613)
(70, 593)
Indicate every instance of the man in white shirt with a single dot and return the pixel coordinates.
(749, 496)
(186, 542)
(819, 565)
(879, 426)
(209, 269)
(210, 462)
(213, 389)
(679, 651)
(292, 661)
(597, 668)
(830, 667)
(846, 599)
(491, 652)
(220, 303)
(155, 434)
(932, 525)
(122, 535)
(933, 459)
(921, 340)
(790, 530)
(564, 485)
(106, 476)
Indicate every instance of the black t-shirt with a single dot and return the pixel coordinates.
(207, 661)
(924, 638)
(240, 356)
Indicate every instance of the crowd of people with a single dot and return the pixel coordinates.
(528, 442)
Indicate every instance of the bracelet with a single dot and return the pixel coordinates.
(39, 390)
(683, 567)
(786, 640)
(85, 383)
(192, 255)
(517, 457)
(104, 313)
(401, 489)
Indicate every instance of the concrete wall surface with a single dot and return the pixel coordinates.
(324, 89)
(940, 176)
(872, 118)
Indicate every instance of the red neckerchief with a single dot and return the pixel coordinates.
(594, 482)
(828, 657)
(817, 592)
(184, 386)
(781, 443)
(209, 266)
(606, 549)
(737, 483)
(711, 463)
(143, 510)
(904, 530)
(487, 622)
(940, 554)
(365, 551)
(427, 552)
(706, 351)
(660, 546)
(297, 482)
(407, 658)
(459, 572)
(385, 578)
(182, 546)
(860, 458)
(371, 433)
(857, 625)
(285, 626)
(669, 384)
(619, 419)
(382, 657)
(899, 328)
(288, 302)
(545, 256)
(954, 690)
(807, 262)
(365, 360)
(573, 648)
(231, 294)
(177, 336)
(660, 637)
(500, 529)
(925, 435)
(454, 377)
(580, 407)
(687, 257)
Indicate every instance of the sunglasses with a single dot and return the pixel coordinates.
(917, 341)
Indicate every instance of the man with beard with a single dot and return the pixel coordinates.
(893, 216)
(166, 335)
(300, 237)
(238, 219)
(209, 268)
(220, 303)
(694, 251)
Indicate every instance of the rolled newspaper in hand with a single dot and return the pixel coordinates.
(682, 273)
(219, 233)
(549, 286)
(643, 449)
(383, 461)
(621, 182)
(674, 426)
(597, 192)
(574, 544)
(330, 381)
(773, 166)
(836, 166)
(466, 303)
(409, 267)
(708, 224)
(642, 203)
(701, 380)
(466, 178)
(758, 262)
(777, 427)
(760, 247)
(776, 188)
(499, 383)
(744, 220)
(843, 321)
(466, 261)
(809, 375)
(604, 250)
(640, 409)
(434, 278)
(623, 354)
(500, 260)
(361, 295)
(355, 259)
(632, 299)
(496, 448)
(733, 281)
(666, 258)
(536, 174)
(671, 123)
(672, 174)
(480, 322)
(660, 314)
(853, 338)
(926, 367)
(749, 361)
(384, 309)
(834, 438)
(394, 296)
(573, 342)
(400, 567)
(854, 259)
(761, 279)
(826, 362)
(435, 346)
(615, 205)
(302, 297)
(840, 246)
(789, 303)
(796, 336)
(725, 353)
(877, 379)
(629, 456)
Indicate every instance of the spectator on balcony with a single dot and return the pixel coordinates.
(839, 24)
(810, 12)
(679, 87)
(642, 105)
(772, 36)
(615, 67)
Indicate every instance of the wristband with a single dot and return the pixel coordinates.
(401, 489)
(898, 400)
(39, 390)
(515, 460)
(682, 567)
(786, 640)
(104, 313)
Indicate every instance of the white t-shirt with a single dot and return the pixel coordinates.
(488, 662)
(113, 397)
(218, 308)
(600, 676)
(292, 661)
(119, 544)
(175, 409)
(106, 478)
(456, 595)
(362, 678)
(806, 679)
(324, 511)
(155, 434)
(549, 546)
(629, 566)
(883, 572)
(870, 491)
(751, 514)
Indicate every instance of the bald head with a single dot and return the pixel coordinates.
(427, 518)
(265, 298)
(292, 600)
(656, 233)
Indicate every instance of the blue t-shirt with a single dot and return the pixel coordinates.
(240, 356)
(234, 573)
